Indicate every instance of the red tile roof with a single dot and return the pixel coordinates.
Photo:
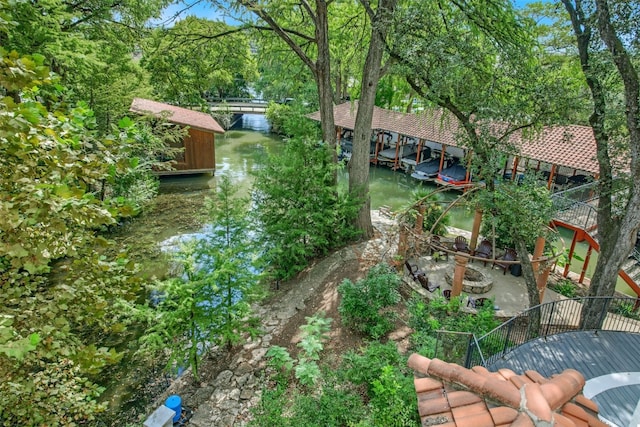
(179, 115)
(452, 396)
(571, 146)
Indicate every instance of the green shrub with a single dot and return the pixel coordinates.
(566, 288)
(433, 205)
(363, 303)
(301, 212)
(363, 368)
(427, 317)
(306, 369)
(333, 406)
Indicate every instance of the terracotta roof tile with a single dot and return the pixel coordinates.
(502, 391)
(577, 422)
(573, 410)
(482, 419)
(506, 373)
(451, 395)
(462, 398)
(535, 377)
(570, 383)
(587, 404)
(535, 404)
(522, 421)
(426, 384)
(183, 116)
(503, 415)
(433, 406)
(561, 421)
(419, 363)
(572, 146)
(520, 381)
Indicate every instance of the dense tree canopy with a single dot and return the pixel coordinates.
(191, 60)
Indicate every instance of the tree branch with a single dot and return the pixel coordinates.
(284, 35)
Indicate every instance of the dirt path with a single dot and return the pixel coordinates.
(231, 381)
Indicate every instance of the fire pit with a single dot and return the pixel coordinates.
(473, 282)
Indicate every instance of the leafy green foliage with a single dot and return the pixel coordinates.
(506, 207)
(189, 61)
(421, 198)
(89, 46)
(363, 303)
(307, 370)
(362, 368)
(56, 395)
(301, 212)
(393, 401)
(209, 304)
(566, 288)
(427, 317)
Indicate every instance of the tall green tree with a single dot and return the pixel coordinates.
(209, 303)
(58, 293)
(90, 45)
(300, 213)
(305, 29)
(606, 38)
(191, 60)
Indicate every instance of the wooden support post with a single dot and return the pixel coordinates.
(420, 218)
(552, 174)
(475, 231)
(398, 144)
(379, 141)
(514, 170)
(444, 149)
(572, 248)
(543, 277)
(585, 264)
(537, 254)
(458, 274)
(420, 141)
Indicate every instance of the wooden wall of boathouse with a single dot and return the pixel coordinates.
(199, 154)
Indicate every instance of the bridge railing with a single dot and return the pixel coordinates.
(218, 100)
(617, 314)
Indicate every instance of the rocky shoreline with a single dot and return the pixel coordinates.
(231, 382)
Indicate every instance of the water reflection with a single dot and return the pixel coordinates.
(244, 149)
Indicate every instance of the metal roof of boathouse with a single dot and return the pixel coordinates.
(572, 146)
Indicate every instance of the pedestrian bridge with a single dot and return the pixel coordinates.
(239, 105)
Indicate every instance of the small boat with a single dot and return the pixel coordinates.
(454, 176)
(427, 171)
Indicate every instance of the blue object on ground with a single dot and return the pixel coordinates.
(174, 402)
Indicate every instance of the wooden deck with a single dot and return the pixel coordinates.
(594, 355)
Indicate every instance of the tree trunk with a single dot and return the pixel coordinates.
(323, 79)
(359, 164)
(531, 283)
(616, 233)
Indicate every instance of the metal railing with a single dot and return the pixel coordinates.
(577, 206)
(616, 314)
(216, 100)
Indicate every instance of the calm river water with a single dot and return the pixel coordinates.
(244, 148)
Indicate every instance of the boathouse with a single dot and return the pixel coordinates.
(199, 153)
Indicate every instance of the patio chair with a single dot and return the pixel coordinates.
(477, 302)
(461, 244)
(509, 255)
(437, 249)
(484, 250)
(420, 277)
